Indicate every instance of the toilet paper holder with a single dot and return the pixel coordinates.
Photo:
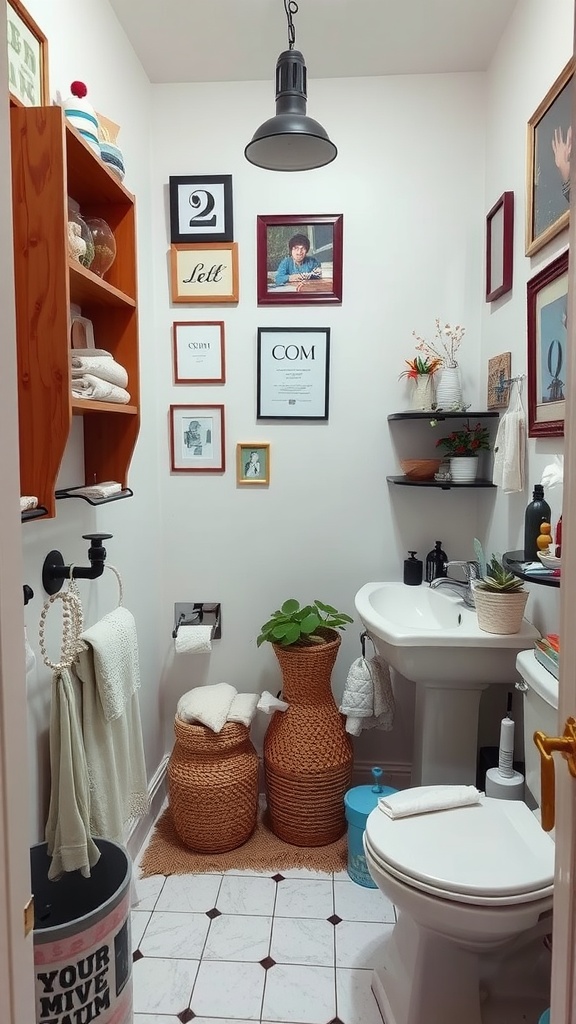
(198, 613)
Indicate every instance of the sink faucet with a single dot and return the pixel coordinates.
(471, 571)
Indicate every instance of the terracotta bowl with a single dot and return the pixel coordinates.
(420, 469)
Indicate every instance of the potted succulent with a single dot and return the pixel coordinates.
(421, 371)
(499, 597)
(462, 447)
(307, 751)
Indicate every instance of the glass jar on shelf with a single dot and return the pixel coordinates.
(80, 243)
(104, 245)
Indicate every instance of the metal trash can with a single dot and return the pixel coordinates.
(358, 803)
(82, 945)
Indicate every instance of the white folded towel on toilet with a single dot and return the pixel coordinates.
(423, 799)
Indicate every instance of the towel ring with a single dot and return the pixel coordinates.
(120, 584)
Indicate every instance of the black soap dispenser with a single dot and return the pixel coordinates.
(436, 562)
(537, 512)
(413, 570)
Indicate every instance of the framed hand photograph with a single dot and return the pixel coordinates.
(547, 299)
(199, 356)
(197, 439)
(27, 58)
(204, 273)
(201, 208)
(299, 260)
(293, 367)
(500, 247)
(548, 164)
(252, 463)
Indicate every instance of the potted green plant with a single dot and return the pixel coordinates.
(307, 751)
(462, 447)
(499, 596)
(421, 371)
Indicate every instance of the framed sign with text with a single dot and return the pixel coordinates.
(293, 373)
(27, 58)
(201, 208)
(204, 273)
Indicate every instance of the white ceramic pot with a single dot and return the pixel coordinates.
(449, 388)
(463, 468)
(423, 392)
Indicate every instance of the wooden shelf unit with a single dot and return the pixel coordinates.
(50, 161)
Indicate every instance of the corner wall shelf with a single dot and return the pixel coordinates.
(444, 485)
(513, 560)
(443, 414)
(34, 513)
(69, 492)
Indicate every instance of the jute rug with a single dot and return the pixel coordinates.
(167, 855)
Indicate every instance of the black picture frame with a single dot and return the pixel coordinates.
(209, 198)
(293, 373)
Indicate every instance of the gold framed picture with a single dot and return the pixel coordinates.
(27, 58)
(252, 463)
(204, 273)
(548, 164)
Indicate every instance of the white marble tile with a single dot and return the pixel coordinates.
(246, 871)
(238, 937)
(305, 897)
(138, 921)
(147, 891)
(354, 902)
(243, 894)
(163, 985)
(303, 994)
(355, 1002)
(304, 873)
(341, 876)
(155, 1018)
(228, 990)
(361, 944)
(180, 935)
(302, 941)
(194, 894)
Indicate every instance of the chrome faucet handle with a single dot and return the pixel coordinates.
(470, 568)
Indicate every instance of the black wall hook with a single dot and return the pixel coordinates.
(54, 572)
(28, 593)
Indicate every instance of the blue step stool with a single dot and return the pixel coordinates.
(358, 803)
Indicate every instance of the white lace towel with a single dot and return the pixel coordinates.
(368, 699)
(104, 367)
(89, 386)
(510, 447)
(209, 705)
(423, 799)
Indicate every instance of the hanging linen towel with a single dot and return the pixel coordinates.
(368, 700)
(109, 671)
(510, 447)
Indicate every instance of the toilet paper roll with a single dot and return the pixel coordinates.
(503, 788)
(193, 640)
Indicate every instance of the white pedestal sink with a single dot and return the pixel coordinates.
(432, 638)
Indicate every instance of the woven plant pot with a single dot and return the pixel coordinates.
(307, 752)
(213, 786)
(500, 613)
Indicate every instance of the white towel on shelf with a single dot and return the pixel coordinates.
(89, 386)
(209, 705)
(368, 699)
(104, 490)
(104, 367)
(510, 447)
(423, 799)
(28, 502)
(243, 708)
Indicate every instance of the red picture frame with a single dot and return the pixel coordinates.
(547, 303)
(278, 281)
(500, 247)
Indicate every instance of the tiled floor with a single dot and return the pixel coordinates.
(296, 947)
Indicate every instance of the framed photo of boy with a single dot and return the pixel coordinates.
(547, 297)
(27, 58)
(500, 247)
(204, 273)
(199, 352)
(299, 260)
(548, 164)
(252, 463)
(197, 439)
(201, 208)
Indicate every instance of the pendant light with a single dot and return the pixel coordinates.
(290, 141)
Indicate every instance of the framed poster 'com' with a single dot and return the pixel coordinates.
(547, 297)
(201, 208)
(293, 373)
(27, 58)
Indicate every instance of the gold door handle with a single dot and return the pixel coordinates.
(565, 745)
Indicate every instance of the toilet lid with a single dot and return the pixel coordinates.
(488, 852)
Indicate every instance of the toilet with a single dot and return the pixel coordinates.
(470, 885)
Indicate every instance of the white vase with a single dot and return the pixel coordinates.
(449, 388)
(423, 392)
(463, 468)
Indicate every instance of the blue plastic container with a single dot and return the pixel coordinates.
(358, 803)
(545, 1018)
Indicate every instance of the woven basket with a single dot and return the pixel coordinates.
(307, 752)
(213, 786)
(500, 613)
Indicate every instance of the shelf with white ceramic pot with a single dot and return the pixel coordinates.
(433, 418)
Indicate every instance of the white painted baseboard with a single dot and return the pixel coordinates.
(394, 773)
(139, 828)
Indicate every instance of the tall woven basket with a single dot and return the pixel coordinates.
(500, 613)
(213, 786)
(307, 752)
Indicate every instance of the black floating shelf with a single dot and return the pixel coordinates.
(443, 414)
(445, 485)
(33, 513)
(68, 492)
(512, 560)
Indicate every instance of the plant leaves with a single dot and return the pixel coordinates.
(310, 623)
(290, 606)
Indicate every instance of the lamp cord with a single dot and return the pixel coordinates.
(291, 7)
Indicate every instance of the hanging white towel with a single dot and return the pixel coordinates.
(510, 446)
(368, 699)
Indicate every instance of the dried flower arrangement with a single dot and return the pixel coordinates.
(445, 345)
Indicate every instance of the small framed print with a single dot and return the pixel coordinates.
(500, 247)
(201, 208)
(199, 352)
(27, 58)
(299, 260)
(197, 438)
(293, 373)
(547, 298)
(204, 273)
(252, 463)
(499, 371)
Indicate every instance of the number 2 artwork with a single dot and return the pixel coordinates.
(201, 208)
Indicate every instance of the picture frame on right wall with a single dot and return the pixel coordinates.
(548, 164)
(500, 247)
(547, 307)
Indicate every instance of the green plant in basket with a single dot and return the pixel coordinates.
(293, 625)
(494, 577)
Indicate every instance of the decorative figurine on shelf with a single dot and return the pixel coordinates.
(82, 115)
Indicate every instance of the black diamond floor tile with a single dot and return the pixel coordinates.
(267, 963)
(186, 1015)
(137, 955)
(213, 913)
(335, 919)
(278, 878)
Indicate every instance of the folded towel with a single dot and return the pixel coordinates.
(89, 386)
(104, 367)
(422, 799)
(368, 700)
(209, 705)
(269, 704)
(243, 708)
(28, 502)
(105, 490)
